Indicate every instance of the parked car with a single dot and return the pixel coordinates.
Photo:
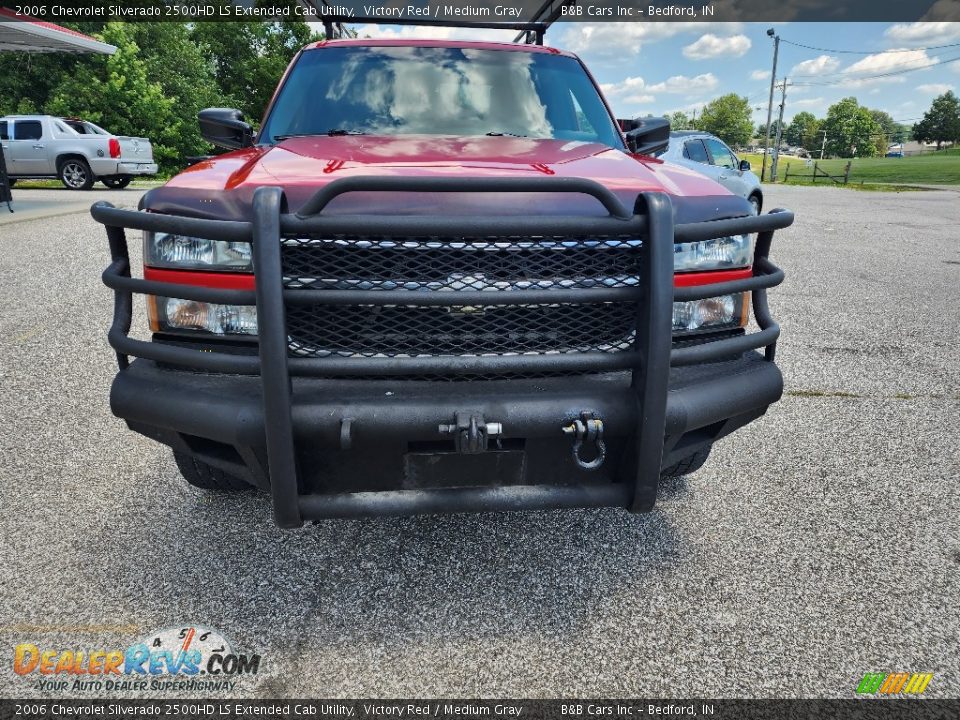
(711, 156)
(76, 151)
(416, 291)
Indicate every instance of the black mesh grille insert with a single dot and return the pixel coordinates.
(419, 331)
(361, 263)
(427, 265)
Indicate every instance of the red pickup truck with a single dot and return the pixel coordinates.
(441, 277)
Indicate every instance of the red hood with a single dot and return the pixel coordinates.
(303, 165)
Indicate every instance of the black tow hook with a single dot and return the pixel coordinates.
(587, 428)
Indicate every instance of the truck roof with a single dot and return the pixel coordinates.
(415, 42)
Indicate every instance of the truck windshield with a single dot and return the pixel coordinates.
(439, 91)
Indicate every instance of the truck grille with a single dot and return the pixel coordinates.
(428, 265)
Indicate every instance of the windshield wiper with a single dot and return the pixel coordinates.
(503, 134)
(332, 132)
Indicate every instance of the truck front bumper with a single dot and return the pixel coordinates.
(375, 447)
(335, 436)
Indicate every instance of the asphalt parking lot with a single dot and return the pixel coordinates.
(818, 544)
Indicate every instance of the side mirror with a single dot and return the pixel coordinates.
(225, 128)
(744, 165)
(648, 136)
(626, 125)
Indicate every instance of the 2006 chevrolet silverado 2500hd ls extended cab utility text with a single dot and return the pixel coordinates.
(441, 278)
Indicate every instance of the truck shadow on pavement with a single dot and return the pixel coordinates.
(493, 574)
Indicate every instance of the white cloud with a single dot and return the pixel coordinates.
(883, 63)
(935, 88)
(629, 91)
(760, 75)
(807, 102)
(888, 61)
(854, 83)
(820, 65)
(684, 84)
(619, 39)
(924, 32)
(712, 46)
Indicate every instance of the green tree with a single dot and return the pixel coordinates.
(799, 129)
(729, 118)
(887, 125)
(812, 138)
(186, 76)
(248, 59)
(761, 131)
(887, 130)
(116, 92)
(27, 79)
(680, 121)
(851, 130)
(941, 123)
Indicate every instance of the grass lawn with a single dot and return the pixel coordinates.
(942, 168)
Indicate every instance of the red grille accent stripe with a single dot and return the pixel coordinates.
(221, 280)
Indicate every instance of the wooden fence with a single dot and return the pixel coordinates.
(819, 173)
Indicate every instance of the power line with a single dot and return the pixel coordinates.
(848, 76)
(906, 68)
(868, 52)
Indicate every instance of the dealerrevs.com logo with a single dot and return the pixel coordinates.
(180, 659)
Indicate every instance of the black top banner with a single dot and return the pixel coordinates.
(492, 11)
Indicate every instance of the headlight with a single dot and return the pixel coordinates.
(711, 313)
(191, 253)
(176, 315)
(717, 254)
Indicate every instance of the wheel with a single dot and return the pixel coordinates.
(206, 477)
(757, 202)
(75, 174)
(688, 465)
(117, 182)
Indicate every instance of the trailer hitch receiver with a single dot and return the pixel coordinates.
(471, 433)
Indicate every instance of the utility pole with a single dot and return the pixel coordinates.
(776, 147)
(823, 146)
(773, 79)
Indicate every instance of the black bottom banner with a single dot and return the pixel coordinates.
(865, 709)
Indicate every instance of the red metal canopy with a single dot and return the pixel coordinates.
(22, 34)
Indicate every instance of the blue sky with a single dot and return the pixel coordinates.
(663, 67)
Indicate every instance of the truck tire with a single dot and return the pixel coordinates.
(74, 173)
(117, 182)
(688, 464)
(206, 477)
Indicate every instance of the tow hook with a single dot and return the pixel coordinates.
(471, 433)
(588, 427)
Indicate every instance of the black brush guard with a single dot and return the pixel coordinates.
(649, 360)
